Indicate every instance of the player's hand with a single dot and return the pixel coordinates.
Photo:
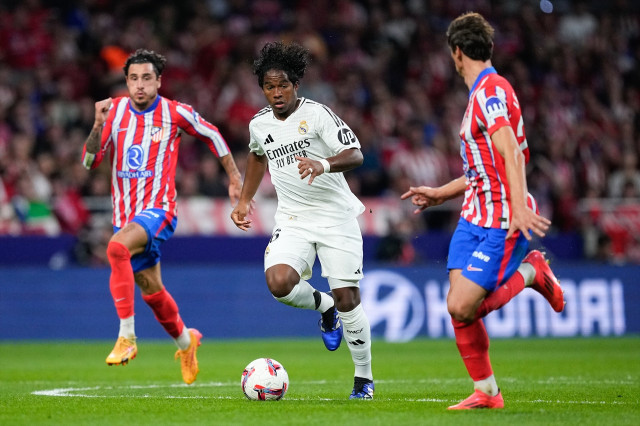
(423, 197)
(239, 216)
(524, 219)
(102, 111)
(309, 167)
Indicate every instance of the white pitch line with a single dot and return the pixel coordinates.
(80, 392)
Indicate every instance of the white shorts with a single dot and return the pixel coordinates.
(339, 249)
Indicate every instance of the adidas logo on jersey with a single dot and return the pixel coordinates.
(268, 140)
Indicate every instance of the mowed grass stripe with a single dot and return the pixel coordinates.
(544, 381)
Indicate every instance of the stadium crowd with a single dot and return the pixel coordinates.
(383, 66)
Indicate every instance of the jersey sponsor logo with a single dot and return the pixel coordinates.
(288, 149)
(480, 255)
(303, 128)
(346, 136)
(156, 133)
(135, 155)
(123, 174)
(472, 268)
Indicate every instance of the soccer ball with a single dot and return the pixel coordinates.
(264, 379)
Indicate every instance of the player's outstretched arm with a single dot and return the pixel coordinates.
(235, 179)
(256, 167)
(426, 196)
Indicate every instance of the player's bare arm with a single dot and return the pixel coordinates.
(256, 167)
(235, 179)
(522, 217)
(92, 143)
(426, 196)
(342, 162)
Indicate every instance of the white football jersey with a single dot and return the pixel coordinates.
(313, 131)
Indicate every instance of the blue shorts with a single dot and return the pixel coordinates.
(160, 226)
(484, 255)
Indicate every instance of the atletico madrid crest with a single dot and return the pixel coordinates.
(156, 133)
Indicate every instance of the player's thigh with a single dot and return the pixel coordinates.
(290, 245)
(133, 236)
(483, 255)
(340, 253)
(159, 226)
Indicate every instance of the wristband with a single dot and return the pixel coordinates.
(87, 161)
(325, 165)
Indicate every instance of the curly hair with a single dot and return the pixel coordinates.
(291, 58)
(473, 34)
(144, 56)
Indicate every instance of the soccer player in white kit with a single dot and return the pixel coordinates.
(307, 147)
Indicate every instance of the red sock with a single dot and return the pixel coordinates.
(502, 295)
(166, 311)
(121, 282)
(473, 344)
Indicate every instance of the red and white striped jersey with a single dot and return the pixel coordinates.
(143, 148)
(492, 104)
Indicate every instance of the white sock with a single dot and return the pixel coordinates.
(184, 339)
(302, 297)
(326, 302)
(357, 334)
(488, 386)
(127, 328)
(528, 273)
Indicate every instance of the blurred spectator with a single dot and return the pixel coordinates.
(625, 182)
(383, 66)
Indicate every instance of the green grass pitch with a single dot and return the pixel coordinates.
(573, 381)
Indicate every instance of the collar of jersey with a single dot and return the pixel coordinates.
(483, 74)
(151, 107)
(301, 99)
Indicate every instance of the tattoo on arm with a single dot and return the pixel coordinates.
(230, 165)
(93, 141)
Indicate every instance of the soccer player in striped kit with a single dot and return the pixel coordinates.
(307, 147)
(487, 263)
(141, 135)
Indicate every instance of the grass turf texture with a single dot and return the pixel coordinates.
(589, 381)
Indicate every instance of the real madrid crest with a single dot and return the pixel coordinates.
(303, 128)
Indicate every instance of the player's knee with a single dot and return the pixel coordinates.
(117, 252)
(460, 312)
(346, 298)
(280, 284)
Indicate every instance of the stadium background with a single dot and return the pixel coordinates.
(385, 68)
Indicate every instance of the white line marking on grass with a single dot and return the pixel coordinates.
(86, 392)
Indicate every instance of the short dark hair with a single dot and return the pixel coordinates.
(144, 56)
(291, 58)
(473, 35)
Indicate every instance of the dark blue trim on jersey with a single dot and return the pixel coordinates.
(151, 107)
(485, 72)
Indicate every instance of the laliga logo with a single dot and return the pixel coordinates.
(391, 298)
(495, 108)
